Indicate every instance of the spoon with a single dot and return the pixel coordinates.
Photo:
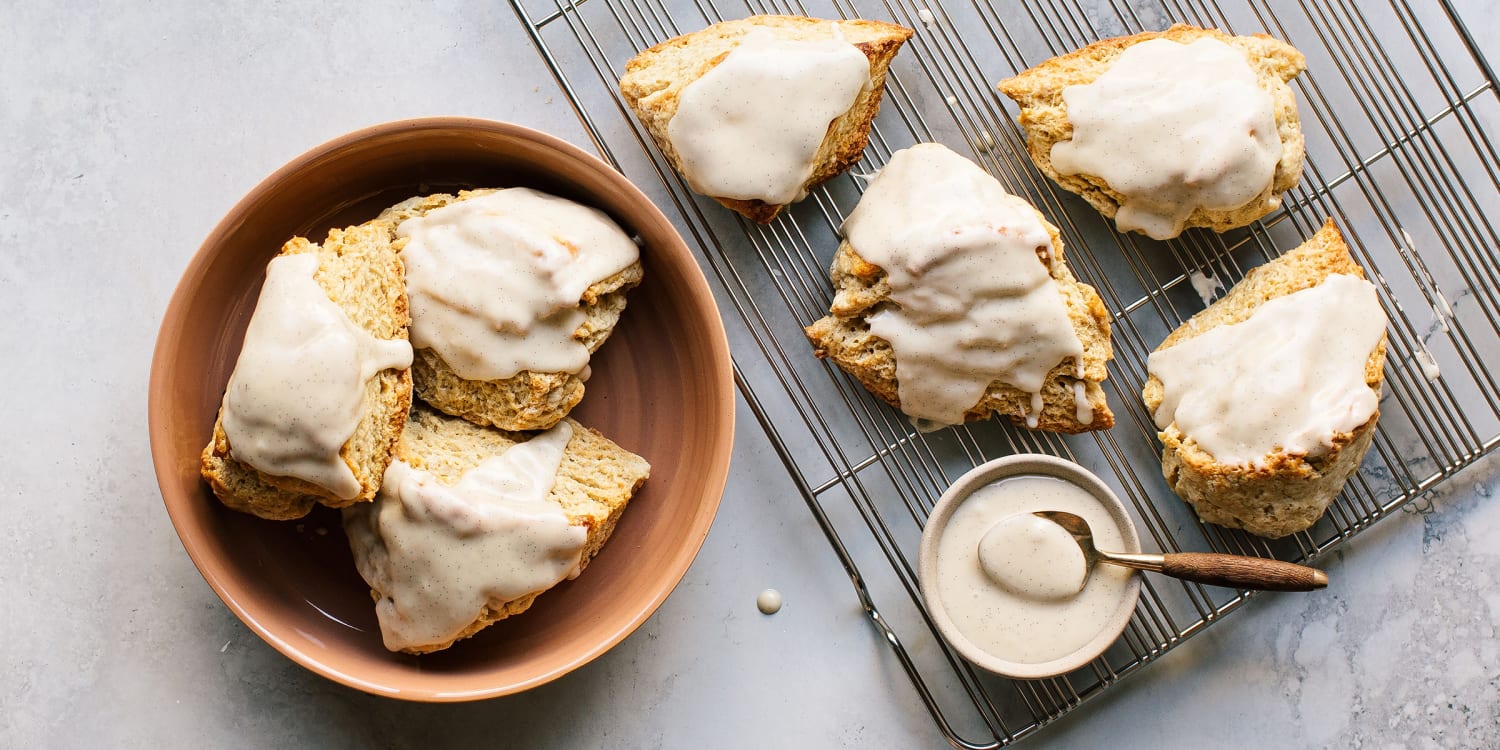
(1204, 567)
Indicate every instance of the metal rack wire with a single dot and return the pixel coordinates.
(1399, 107)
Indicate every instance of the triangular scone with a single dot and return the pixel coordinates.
(595, 480)
(529, 400)
(362, 273)
(1285, 493)
(654, 80)
(1044, 115)
(863, 290)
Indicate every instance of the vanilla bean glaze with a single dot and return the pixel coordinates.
(1172, 128)
(750, 127)
(298, 387)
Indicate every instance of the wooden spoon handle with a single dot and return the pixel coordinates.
(1243, 572)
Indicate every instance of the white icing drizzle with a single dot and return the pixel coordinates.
(1206, 286)
(1083, 411)
(1441, 310)
(1428, 363)
(299, 384)
(1034, 415)
(1287, 379)
(749, 128)
(438, 553)
(973, 303)
(495, 280)
(1173, 127)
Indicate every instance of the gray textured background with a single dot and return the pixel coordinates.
(129, 132)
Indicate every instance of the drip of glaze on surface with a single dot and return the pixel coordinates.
(1031, 618)
(1206, 286)
(1173, 127)
(768, 602)
(974, 303)
(1429, 364)
(750, 127)
(299, 384)
(1083, 411)
(1034, 414)
(495, 280)
(439, 553)
(1287, 379)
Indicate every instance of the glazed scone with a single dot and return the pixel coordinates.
(997, 323)
(361, 273)
(1226, 154)
(531, 398)
(428, 593)
(1286, 489)
(779, 117)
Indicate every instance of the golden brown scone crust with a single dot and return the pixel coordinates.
(528, 400)
(861, 289)
(362, 273)
(1291, 492)
(1044, 114)
(654, 80)
(595, 481)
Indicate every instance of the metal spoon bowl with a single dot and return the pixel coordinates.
(1204, 567)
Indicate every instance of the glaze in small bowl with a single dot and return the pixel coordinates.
(661, 387)
(937, 522)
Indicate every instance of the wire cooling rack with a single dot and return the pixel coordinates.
(1399, 108)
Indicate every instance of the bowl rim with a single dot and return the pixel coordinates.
(1023, 464)
(716, 474)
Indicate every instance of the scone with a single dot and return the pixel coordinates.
(954, 302)
(305, 425)
(1267, 400)
(756, 112)
(474, 523)
(1167, 130)
(522, 394)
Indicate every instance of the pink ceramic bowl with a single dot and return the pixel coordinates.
(662, 387)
